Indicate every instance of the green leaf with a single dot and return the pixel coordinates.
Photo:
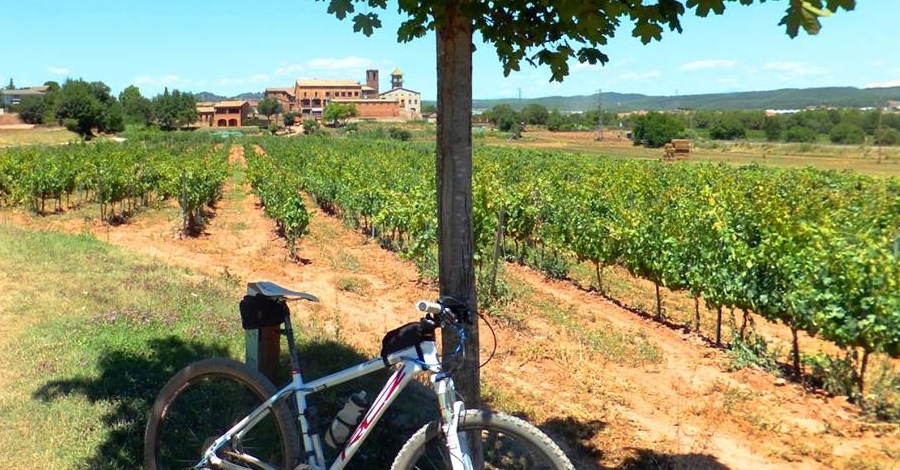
(340, 8)
(366, 23)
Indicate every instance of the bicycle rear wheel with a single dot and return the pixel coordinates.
(507, 443)
(204, 400)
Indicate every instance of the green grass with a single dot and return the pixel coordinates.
(91, 335)
(36, 136)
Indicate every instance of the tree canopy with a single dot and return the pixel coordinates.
(552, 33)
(175, 109)
(136, 108)
(268, 106)
(339, 113)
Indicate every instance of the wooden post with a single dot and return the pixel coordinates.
(262, 346)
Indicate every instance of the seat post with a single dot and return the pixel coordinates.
(262, 346)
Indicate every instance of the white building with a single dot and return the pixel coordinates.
(410, 101)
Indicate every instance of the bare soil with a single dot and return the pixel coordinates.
(683, 410)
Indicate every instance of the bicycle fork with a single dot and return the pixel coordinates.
(451, 410)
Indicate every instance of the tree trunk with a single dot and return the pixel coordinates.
(861, 380)
(697, 314)
(719, 326)
(796, 352)
(456, 246)
(659, 314)
(599, 269)
(498, 246)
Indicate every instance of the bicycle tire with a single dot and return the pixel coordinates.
(508, 443)
(204, 400)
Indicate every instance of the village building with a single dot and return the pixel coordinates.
(14, 97)
(222, 113)
(309, 97)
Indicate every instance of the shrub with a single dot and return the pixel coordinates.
(800, 134)
(399, 134)
(727, 128)
(655, 129)
(887, 137)
(847, 133)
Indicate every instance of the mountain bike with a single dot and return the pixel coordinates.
(221, 414)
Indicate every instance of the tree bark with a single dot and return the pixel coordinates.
(456, 246)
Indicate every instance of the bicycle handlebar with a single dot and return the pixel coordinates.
(433, 308)
(446, 309)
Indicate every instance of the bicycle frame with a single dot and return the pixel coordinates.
(450, 407)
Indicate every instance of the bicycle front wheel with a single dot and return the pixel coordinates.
(203, 401)
(507, 443)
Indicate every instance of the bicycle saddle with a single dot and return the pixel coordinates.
(270, 289)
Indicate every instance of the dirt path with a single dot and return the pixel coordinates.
(676, 408)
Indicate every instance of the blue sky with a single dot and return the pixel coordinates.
(230, 46)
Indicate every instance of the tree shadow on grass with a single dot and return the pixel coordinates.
(132, 379)
(576, 440)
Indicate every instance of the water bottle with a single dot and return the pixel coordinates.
(346, 420)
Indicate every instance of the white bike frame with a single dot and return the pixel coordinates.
(451, 409)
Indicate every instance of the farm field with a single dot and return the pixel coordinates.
(620, 390)
(826, 157)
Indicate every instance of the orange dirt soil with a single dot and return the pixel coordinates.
(683, 411)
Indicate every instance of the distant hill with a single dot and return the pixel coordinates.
(788, 98)
(207, 96)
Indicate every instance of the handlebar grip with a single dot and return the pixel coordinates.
(430, 307)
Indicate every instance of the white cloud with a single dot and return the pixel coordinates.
(879, 63)
(708, 64)
(58, 70)
(284, 70)
(887, 84)
(640, 76)
(793, 68)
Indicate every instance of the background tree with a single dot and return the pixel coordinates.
(889, 136)
(534, 114)
(727, 127)
(32, 109)
(136, 108)
(504, 117)
(773, 128)
(847, 133)
(657, 129)
(339, 113)
(78, 108)
(801, 134)
(310, 126)
(11, 86)
(174, 110)
(268, 107)
(113, 117)
(289, 118)
(548, 33)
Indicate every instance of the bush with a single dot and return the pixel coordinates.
(727, 128)
(399, 134)
(847, 133)
(835, 375)
(887, 137)
(800, 134)
(310, 126)
(656, 129)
